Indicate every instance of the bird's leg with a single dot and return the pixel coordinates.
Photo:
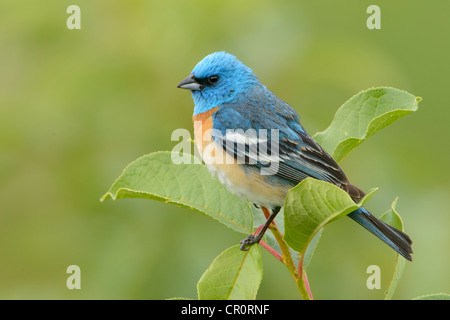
(252, 238)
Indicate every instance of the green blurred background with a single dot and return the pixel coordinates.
(76, 106)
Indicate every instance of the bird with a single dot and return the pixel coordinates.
(234, 115)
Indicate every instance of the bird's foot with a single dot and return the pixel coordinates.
(247, 242)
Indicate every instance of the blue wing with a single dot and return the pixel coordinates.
(299, 155)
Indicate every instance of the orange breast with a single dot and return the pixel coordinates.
(202, 128)
(214, 157)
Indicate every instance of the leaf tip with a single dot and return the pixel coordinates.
(368, 196)
(394, 203)
(106, 196)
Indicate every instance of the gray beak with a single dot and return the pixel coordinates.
(190, 83)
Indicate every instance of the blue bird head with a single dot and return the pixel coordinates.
(216, 79)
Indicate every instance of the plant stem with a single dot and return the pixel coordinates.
(266, 246)
(305, 280)
(271, 250)
(305, 283)
(286, 258)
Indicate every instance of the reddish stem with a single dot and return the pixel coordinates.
(271, 250)
(266, 246)
(304, 277)
(258, 229)
(266, 212)
(305, 280)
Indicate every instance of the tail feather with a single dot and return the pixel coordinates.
(396, 239)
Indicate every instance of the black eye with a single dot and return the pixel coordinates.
(213, 79)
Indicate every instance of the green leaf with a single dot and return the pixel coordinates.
(363, 115)
(233, 275)
(392, 218)
(155, 176)
(311, 248)
(434, 296)
(310, 206)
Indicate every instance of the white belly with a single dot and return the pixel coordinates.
(248, 185)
